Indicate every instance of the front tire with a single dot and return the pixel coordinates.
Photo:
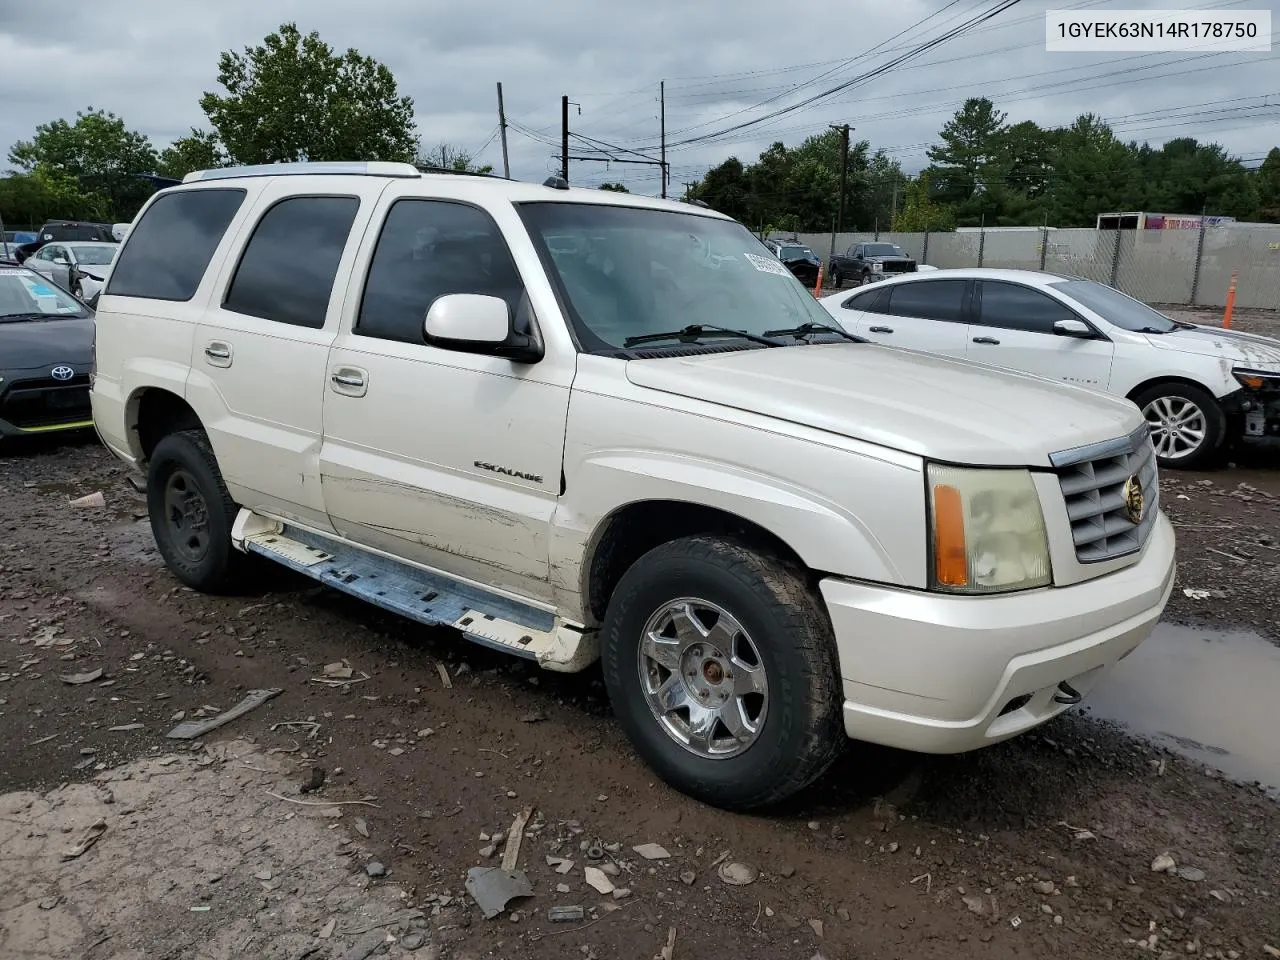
(836, 280)
(866, 278)
(1188, 426)
(720, 664)
(192, 513)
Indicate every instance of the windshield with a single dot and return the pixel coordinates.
(24, 294)
(1114, 307)
(627, 272)
(883, 250)
(98, 254)
(795, 253)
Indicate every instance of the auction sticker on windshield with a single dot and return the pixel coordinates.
(766, 265)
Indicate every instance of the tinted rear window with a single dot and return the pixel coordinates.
(169, 250)
(929, 299)
(288, 268)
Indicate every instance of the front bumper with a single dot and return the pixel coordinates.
(1257, 411)
(30, 406)
(945, 674)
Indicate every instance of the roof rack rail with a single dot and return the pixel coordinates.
(459, 173)
(366, 168)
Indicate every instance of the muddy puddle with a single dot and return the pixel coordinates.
(1210, 695)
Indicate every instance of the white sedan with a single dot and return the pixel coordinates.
(1198, 386)
(91, 258)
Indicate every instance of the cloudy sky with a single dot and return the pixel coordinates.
(720, 62)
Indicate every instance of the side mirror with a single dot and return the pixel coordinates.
(1073, 328)
(476, 323)
(62, 260)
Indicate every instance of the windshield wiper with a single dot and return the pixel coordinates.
(15, 317)
(805, 329)
(696, 330)
(1155, 330)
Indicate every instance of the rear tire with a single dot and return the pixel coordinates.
(1188, 426)
(192, 513)
(721, 667)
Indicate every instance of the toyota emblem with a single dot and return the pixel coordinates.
(62, 372)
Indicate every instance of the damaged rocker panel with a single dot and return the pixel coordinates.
(432, 599)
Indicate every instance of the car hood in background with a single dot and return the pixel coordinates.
(930, 406)
(33, 344)
(1245, 349)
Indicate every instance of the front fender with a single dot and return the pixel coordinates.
(841, 508)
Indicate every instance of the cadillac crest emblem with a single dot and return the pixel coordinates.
(1134, 505)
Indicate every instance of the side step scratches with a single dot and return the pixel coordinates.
(428, 597)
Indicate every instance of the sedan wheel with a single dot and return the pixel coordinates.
(1187, 425)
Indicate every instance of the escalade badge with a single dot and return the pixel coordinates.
(62, 372)
(1133, 502)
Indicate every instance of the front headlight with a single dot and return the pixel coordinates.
(1256, 379)
(987, 531)
(877, 267)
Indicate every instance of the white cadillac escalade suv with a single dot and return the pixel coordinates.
(579, 425)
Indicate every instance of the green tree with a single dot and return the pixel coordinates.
(1268, 184)
(99, 152)
(200, 150)
(29, 199)
(444, 156)
(1186, 176)
(886, 191)
(972, 142)
(921, 211)
(725, 188)
(1093, 173)
(614, 188)
(293, 98)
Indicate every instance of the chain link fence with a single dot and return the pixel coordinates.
(1186, 267)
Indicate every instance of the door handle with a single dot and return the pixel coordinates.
(990, 340)
(218, 353)
(353, 380)
(880, 329)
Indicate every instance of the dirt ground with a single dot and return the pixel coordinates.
(1041, 847)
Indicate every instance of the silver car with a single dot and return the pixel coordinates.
(91, 260)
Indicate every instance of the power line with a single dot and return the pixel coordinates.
(861, 78)
(978, 54)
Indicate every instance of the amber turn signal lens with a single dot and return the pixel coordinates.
(950, 557)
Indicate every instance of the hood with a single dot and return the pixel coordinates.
(1247, 349)
(35, 344)
(888, 259)
(914, 402)
(810, 258)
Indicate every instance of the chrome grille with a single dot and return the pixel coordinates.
(1093, 481)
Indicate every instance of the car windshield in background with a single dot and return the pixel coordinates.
(627, 272)
(796, 253)
(1114, 307)
(97, 254)
(28, 296)
(883, 250)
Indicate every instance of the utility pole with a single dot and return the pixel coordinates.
(502, 125)
(893, 216)
(844, 129)
(688, 188)
(564, 137)
(662, 100)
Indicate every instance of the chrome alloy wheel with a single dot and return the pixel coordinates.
(703, 678)
(1178, 426)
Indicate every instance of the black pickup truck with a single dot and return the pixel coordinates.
(868, 262)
